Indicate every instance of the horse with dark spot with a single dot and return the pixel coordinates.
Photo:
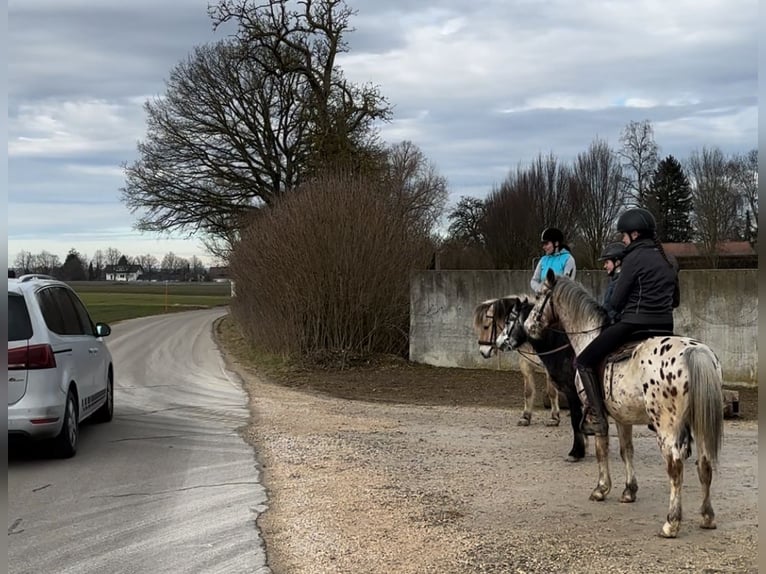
(677, 418)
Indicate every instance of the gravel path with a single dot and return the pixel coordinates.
(370, 487)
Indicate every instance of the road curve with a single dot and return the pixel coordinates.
(168, 486)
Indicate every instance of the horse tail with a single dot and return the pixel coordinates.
(705, 400)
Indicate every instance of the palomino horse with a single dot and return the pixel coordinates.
(552, 355)
(673, 382)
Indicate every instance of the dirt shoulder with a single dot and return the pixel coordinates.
(412, 469)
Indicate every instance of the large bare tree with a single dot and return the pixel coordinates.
(420, 189)
(246, 119)
(745, 179)
(528, 200)
(717, 203)
(639, 154)
(600, 192)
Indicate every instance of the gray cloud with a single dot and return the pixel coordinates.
(479, 86)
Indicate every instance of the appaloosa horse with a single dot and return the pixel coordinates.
(673, 382)
(552, 355)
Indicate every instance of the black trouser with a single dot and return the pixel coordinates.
(610, 339)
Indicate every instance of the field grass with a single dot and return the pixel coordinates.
(111, 302)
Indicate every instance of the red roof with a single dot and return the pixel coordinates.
(725, 248)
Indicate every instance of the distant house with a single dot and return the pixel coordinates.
(124, 272)
(728, 255)
(219, 274)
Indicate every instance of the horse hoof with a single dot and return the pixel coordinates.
(552, 422)
(597, 495)
(708, 524)
(668, 531)
(523, 422)
(571, 458)
(628, 497)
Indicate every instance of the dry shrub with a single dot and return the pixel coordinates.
(326, 270)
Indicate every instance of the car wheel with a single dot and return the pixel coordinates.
(65, 444)
(106, 411)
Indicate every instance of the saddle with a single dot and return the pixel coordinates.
(625, 351)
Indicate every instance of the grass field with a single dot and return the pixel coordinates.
(111, 302)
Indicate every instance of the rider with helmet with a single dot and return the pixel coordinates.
(643, 298)
(557, 257)
(612, 258)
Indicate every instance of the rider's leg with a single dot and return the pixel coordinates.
(590, 387)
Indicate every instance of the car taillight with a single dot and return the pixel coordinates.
(31, 357)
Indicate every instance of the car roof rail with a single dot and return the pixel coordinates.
(30, 276)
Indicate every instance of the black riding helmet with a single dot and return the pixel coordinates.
(553, 235)
(613, 251)
(637, 219)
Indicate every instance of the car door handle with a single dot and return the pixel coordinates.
(93, 350)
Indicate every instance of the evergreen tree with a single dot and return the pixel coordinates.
(670, 200)
(73, 268)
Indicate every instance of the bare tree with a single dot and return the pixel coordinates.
(112, 256)
(98, 262)
(173, 263)
(530, 199)
(717, 203)
(148, 263)
(46, 263)
(640, 154)
(24, 262)
(466, 221)
(745, 179)
(600, 193)
(245, 120)
(420, 189)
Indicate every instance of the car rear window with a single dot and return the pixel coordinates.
(19, 326)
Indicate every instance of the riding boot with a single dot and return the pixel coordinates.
(594, 414)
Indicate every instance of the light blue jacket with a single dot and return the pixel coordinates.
(562, 262)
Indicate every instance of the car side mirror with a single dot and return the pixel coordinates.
(103, 330)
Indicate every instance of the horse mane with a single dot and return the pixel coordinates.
(574, 296)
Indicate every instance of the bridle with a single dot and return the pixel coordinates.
(493, 332)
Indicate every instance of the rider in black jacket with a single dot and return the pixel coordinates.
(644, 297)
(612, 258)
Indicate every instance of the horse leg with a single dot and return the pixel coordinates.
(553, 395)
(529, 394)
(625, 432)
(575, 415)
(604, 480)
(705, 474)
(675, 467)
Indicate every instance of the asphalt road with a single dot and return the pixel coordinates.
(167, 486)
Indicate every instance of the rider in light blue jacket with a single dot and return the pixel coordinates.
(557, 257)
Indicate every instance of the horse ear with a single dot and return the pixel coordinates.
(550, 277)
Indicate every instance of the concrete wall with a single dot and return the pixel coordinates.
(718, 307)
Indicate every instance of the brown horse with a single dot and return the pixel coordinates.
(552, 356)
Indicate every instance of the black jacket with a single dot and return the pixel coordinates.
(607, 304)
(647, 290)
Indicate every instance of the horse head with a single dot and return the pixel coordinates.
(513, 334)
(489, 321)
(542, 315)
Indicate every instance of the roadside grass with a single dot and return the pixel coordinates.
(113, 302)
(234, 342)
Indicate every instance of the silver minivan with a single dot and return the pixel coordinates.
(60, 370)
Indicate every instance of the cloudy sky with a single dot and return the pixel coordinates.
(480, 86)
